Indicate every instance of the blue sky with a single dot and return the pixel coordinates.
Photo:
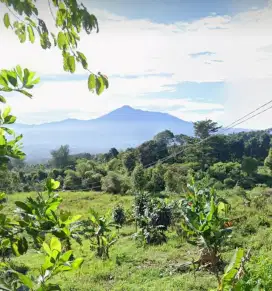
(170, 11)
(189, 58)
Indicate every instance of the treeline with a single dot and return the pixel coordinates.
(165, 163)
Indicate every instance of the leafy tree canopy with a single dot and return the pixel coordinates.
(205, 128)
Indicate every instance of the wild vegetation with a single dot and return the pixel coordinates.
(175, 213)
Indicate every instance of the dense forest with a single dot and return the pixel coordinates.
(165, 163)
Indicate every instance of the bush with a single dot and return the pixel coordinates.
(112, 183)
(218, 185)
(229, 183)
(118, 215)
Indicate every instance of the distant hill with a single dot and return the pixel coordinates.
(122, 128)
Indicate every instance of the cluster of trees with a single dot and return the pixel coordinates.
(165, 163)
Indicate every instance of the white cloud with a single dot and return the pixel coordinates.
(73, 100)
(140, 47)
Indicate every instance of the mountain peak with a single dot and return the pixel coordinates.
(126, 107)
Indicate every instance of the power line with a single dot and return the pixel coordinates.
(205, 139)
(233, 123)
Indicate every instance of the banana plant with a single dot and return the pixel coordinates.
(39, 217)
(232, 279)
(205, 223)
(55, 262)
(99, 230)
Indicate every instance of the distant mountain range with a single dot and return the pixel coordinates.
(122, 128)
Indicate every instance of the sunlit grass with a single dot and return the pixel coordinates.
(131, 267)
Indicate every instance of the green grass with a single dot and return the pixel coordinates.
(131, 267)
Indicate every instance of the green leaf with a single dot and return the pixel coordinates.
(31, 21)
(47, 263)
(3, 81)
(6, 20)
(14, 247)
(8, 130)
(25, 280)
(55, 244)
(19, 73)
(31, 34)
(47, 248)
(12, 78)
(23, 206)
(3, 140)
(6, 112)
(83, 59)
(100, 86)
(71, 64)
(10, 119)
(22, 246)
(2, 99)
(62, 42)
(51, 184)
(105, 80)
(92, 82)
(77, 263)
(66, 256)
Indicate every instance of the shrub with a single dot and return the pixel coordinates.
(229, 183)
(118, 215)
(112, 183)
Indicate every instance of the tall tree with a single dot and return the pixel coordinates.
(60, 157)
(165, 137)
(205, 128)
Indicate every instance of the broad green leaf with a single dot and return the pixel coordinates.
(92, 82)
(6, 112)
(105, 80)
(83, 59)
(2, 99)
(53, 207)
(73, 219)
(31, 34)
(62, 42)
(6, 20)
(51, 184)
(71, 64)
(23, 206)
(10, 119)
(100, 86)
(3, 140)
(47, 248)
(12, 78)
(55, 244)
(3, 81)
(47, 263)
(25, 280)
(66, 256)
(77, 263)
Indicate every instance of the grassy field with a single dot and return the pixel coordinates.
(131, 267)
